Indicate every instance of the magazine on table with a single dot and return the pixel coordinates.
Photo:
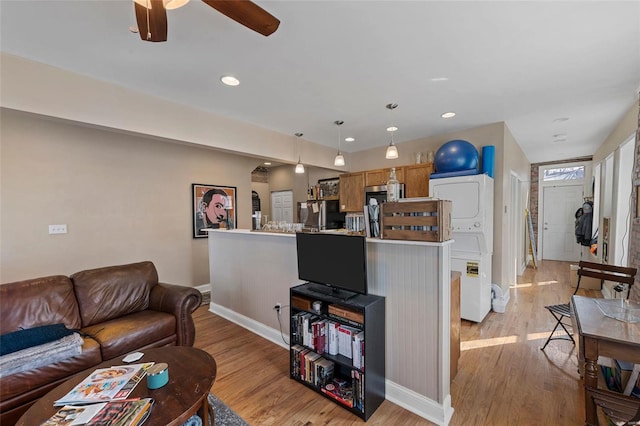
(129, 412)
(106, 384)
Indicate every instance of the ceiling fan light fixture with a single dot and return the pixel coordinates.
(168, 4)
(174, 4)
(229, 80)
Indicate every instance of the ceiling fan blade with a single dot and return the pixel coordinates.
(156, 19)
(248, 14)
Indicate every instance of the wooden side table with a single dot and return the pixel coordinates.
(192, 372)
(600, 335)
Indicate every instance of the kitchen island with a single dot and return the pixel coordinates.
(252, 271)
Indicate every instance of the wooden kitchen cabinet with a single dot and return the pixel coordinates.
(379, 177)
(352, 192)
(416, 180)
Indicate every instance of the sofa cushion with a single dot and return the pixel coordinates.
(111, 292)
(40, 301)
(132, 332)
(27, 386)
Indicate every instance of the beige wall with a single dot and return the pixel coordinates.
(123, 198)
(623, 130)
(512, 160)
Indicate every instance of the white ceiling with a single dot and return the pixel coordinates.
(525, 63)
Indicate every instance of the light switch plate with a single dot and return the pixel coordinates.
(58, 229)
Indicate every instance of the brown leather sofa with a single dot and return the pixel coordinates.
(122, 308)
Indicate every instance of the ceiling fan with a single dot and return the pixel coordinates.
(151, 16)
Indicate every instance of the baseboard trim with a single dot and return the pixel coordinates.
(406, 398)
(204, 288)
(424, 407)
(271, 334)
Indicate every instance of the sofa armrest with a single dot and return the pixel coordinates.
(181, 302)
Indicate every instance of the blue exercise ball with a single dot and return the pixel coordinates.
(456, 155)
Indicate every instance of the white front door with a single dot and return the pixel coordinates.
(282, 206)
(558, 225)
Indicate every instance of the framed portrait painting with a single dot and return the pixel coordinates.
(213, 206)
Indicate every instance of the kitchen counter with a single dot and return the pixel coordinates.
(251, 271)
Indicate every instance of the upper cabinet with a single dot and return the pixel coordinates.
(416, 180)
(352, 192)
(381, 176)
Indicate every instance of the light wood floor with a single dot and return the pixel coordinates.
(503, 378)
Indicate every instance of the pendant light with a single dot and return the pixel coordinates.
(299, 166)
(392, 150)
(339, 160)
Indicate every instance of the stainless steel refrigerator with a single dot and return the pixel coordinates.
(320, 214)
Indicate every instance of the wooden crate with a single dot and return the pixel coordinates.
(346, 313)
(300, 302)
(427, 220)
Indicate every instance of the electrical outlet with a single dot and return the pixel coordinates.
(277, 307)
(58, 229)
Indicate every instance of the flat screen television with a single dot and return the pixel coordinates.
(337, 261)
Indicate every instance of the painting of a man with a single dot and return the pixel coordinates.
(214, 208)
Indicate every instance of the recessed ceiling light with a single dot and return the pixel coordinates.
(557, 120)
(435, 79)
(229, 80)
(448, 114)
(267, 163)
(560, 136)
(349, 139)
(392, 129)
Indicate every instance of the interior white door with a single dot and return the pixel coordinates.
(558, 225)
(282, 206)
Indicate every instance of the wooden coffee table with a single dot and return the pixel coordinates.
(192, 372)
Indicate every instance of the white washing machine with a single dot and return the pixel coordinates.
(472, 226)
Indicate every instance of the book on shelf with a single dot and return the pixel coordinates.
(633, 384)
(621, 373)
(357, 386)
(106, 384)
(358, 349)
(324, 372)
(333, 337)
(608, 375)
(129, 412)
(339, 390)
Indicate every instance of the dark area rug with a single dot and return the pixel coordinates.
(225, 416)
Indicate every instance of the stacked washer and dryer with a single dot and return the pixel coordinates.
(472, 226)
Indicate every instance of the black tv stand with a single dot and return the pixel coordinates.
(335, 346)
(326, 290)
